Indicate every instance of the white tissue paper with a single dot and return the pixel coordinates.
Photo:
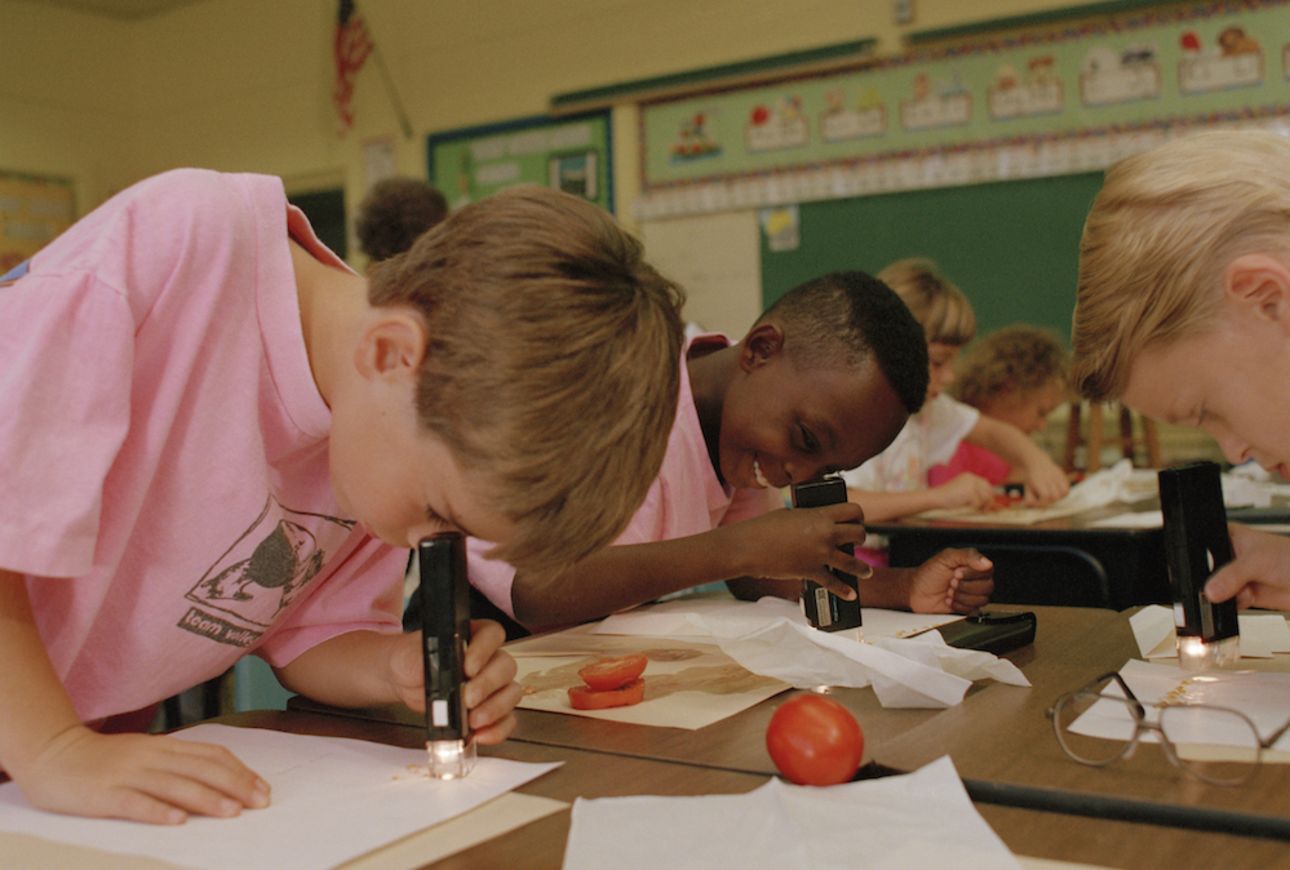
(773, 639)
(921, 819)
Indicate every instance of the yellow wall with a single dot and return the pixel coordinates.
(246, 84)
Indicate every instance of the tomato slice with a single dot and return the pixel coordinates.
(584, 698)
(613, 673)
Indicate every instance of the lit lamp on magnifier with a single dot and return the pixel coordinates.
(1196, 545)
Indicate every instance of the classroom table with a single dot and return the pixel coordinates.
(597, 773)
(738, 743)
(1002, 738)
(1051, 562)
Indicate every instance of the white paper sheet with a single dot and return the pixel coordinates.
(709, 617)
(1259, 695)
(921, 819)
(333, 800)
(773, 639)
(1262, 634)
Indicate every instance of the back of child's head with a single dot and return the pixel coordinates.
(1162, 230)
(845, 319)
(552, 365)
(1015, 359)
(942, 308)
(394, 212)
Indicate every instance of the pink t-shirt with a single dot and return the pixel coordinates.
(970, 457)
(685, 499)
(163, 450)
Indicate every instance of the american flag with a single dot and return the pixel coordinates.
(353, 45)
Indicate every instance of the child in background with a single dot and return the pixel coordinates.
(823, 380)
(1183, 313)
(894, 484)
(220, 440)
(394, 213)
(1017, 374)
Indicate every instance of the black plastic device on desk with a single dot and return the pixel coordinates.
(445, 626)
(825, 610)
(996, 631)
(1196, 545)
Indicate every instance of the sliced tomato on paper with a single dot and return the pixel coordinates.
(613, 673)
(587, 698)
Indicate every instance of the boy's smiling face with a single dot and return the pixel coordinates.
(781, 424)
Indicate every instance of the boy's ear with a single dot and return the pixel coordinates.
(392, 346)
(1260, 285)
(762, 344)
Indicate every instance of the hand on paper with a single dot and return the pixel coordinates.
(141, 777)
(952, 581)
(795, 545)
(491, 691)
(1045, 480)
(965, 490)
(1259, 575)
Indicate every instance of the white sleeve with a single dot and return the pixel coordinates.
(949, 422)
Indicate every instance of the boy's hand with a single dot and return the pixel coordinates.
(952, 581)
(491, 692)
(966, 490)
(1045, 481)
(140, 777)
(1259, 575)
(796, 545)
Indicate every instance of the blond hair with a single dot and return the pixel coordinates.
(943, 310)
(1018, 358)
(552, 366)
(1165, 225)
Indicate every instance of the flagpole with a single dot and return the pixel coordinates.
(392, 91)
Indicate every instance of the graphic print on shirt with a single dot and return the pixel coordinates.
(261, 574)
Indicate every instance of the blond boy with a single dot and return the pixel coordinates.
(1183, 312)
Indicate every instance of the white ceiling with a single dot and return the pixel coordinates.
(125, 10)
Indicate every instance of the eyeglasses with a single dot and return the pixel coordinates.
(1103, 722)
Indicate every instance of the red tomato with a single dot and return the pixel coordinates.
(584, 698)
(613, 673)
(814, 740)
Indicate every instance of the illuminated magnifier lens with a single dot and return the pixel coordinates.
(1219, 746)
(1093, 728)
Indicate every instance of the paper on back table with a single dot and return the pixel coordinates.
(921, 819)
(333, 800)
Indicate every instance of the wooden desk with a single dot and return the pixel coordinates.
(585, 773)
(738, 743)
(1001, 736)
(1029, 565)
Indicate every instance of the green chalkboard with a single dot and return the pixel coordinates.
(1013, 246)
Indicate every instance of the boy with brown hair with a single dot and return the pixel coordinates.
(1183, 312)
(394, 213)
(895, 484)
(824, 379)
(257, 434)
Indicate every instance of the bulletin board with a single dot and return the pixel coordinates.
(33, 210)
(1011, 246)
(1061, 99)
(569, 153)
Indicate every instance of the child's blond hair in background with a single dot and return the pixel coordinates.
(1165, 225)
(552, 364)
(1015, 359)
(940, 307)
